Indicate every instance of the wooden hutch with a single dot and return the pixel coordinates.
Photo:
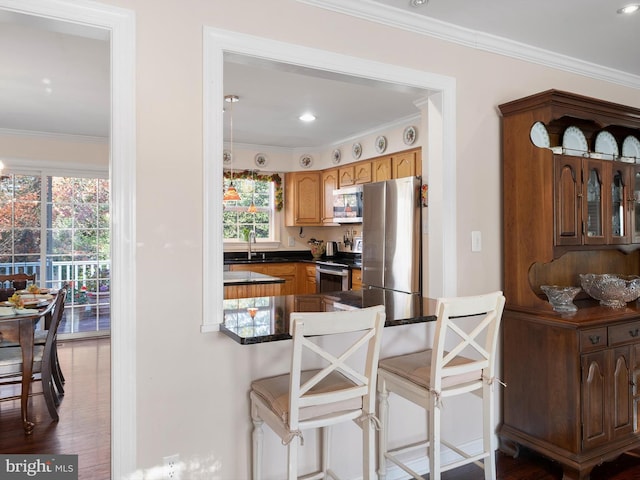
(572, 379)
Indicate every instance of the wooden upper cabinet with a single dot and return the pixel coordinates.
(635, 204)
(309, 194)
(406, 164)
(329, 184)
(382, 169)
(568, 200)
(594, 202)
(362, 173)
(302, 198)
(347, 176)
(557, 202)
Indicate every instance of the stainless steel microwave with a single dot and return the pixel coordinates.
(347, 205)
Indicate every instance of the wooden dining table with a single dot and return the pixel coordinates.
(21, 328)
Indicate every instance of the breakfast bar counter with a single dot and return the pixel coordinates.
(266, 319)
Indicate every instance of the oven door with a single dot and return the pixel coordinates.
(332, 279)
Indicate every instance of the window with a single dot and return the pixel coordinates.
(20, 224)
(63, 239)
(265, 191)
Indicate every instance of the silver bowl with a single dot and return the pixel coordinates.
(613, 291)
(561, 297)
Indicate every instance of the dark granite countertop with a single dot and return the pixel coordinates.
(249, 278)
(352, 260)
(271, 319)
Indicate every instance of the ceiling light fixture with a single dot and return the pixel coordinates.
(231, 193)
(418, 3)
(307, 117)
(629, 9)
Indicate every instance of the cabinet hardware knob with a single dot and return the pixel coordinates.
(595, 339)
(634, 333)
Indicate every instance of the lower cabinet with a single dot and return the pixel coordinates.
(249, 291)
(571, 392)
(356, 279)
(607, 396)
(307, 278)
(287, 271)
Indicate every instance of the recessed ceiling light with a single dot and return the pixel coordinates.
(307, 117)
(418, 3)
(631, 8)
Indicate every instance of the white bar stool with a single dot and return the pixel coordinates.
(427, 378)
(337, 392)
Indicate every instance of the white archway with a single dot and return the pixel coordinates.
(121, 25)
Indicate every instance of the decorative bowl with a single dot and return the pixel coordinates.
(613, 291)
(561, 297)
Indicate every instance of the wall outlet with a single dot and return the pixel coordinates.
(292, 242)
(172, 467)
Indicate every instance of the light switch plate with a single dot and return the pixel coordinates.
(476, 241)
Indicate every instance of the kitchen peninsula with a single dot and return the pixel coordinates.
(266, 319)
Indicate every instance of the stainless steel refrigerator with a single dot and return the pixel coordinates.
(391, 240)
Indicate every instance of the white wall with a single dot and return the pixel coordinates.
(192, 388)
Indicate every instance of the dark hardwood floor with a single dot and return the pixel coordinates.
(85, 416)
(530, 466)
(85, 412)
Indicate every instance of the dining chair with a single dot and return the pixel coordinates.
(17, 280)
(40, 338)
(44, 358)
(340, 390)
(461, 361)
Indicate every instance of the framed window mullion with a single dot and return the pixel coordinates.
(44, 207)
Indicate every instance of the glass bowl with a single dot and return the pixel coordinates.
(613, 291)
(561, 297)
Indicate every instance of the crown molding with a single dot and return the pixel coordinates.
(54, 136)
(37, 166)
(398, 18)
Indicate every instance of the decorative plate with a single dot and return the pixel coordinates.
(631, 147)
(260, 159)
(381, 144)
(336, 155)
(356, 150)
(574, 141)
(226, 157)
(539, 135)
(306, 161)
(409, 135)
(606, 143)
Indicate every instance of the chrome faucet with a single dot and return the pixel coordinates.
(252, 238)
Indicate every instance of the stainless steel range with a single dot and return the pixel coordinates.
(332, 276)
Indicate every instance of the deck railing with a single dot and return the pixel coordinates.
(81, 273)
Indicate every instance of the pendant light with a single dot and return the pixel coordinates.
(252, 208)
(231, 193)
